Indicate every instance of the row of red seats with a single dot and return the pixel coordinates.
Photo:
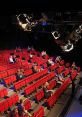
(60, 69)
(51, 100)
(38, 60)
(29, 89)
(3, 92)
(52, 84)
(55, 66)
(29, 79)
(74, 74)
(40, 94)
(27, 104)
(10, 79)
(44, 79)
(9, 102)
(7, 73)
(39, 112)
(61, 62)
(28, 72)
(66, 72)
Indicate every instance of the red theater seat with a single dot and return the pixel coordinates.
(10, 79)
(52, 84)
(67, 65)
(27, 104)
(60, 69)
(55, 66)
(39, 95)
(74, 74)
(62, 62)
(12, 71)
(28, 72)
(3, 92)
(3, 74)
(39, 112)
(66, 72)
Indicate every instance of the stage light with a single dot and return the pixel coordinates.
(68, 47)
(55, 34)
(25, 26)
(80, 27)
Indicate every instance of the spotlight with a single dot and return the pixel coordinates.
(68, 47)
(26, 26)
(55, 34)
(80, 27)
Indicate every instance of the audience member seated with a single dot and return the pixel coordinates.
(11, 59)
(21, 110)
(50, 62)
(47, 93)
(20, 74)
(31, 55)
(60, 78)
(28, 49)
(74, 65)
(35, 69)
(14, 58)
(43, 53)
(58, 58)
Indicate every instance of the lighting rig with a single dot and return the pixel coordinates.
(72, 40)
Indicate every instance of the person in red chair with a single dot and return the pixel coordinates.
(13, 113)
(58, 59)
(74, 65)
(50, 62)
(59, 78)
(11, 59)
(21, 110)
(20, 74)
(47, 93)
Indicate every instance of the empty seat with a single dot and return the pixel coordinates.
(28, 72)
(52, 84)
(10, 79)
(27, 104)
(60, 69)
(11, 71)
(55, 66)
(66, 72)
(39, 112)
(62, 62)
(3, 74)
(3, 92)
(74, 74)
(39, 95)
(29, 89)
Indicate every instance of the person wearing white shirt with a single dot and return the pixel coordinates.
(11, 59)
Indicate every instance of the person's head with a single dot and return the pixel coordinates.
(73, 64)
(18, 70)
(15, 110)
(22, 70)
(14, 56)
(46, 84)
